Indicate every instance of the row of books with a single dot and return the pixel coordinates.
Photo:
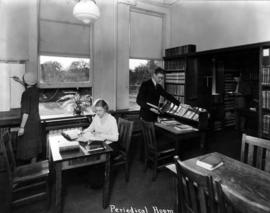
(175, 65)
(175, 81)
(175, 89)
(266, 99)
(175, 51)
(181, 99)
(266, 125)
(266, 75)
(253, 76)
(229, 86)
(175, 75)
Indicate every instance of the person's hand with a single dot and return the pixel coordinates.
(154, 111)
(81, 134)
(21, 132)
(16, 78)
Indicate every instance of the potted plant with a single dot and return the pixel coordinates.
(80, 103)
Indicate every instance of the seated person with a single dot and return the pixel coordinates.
(104, 125)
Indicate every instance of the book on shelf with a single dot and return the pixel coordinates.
(181, 99)
(266, 125)
(209, 162)
(266, 99)
(175, 89)
(175, 65)
(266, 75)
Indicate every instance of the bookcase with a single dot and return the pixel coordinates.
(265, 92)
(176, 67)
(209, 82)
(175, 78)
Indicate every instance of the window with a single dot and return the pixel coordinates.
(139, 71)
(55, 70)
(60, 35)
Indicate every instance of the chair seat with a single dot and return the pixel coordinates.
(31, 171)
(167, 151)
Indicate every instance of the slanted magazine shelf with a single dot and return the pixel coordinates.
(193, 116)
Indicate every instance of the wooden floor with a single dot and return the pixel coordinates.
(140, 191)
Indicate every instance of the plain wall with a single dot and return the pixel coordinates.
(217, 24)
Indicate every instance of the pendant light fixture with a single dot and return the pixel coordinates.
(87, 11)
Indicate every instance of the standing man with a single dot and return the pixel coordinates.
(150, 92)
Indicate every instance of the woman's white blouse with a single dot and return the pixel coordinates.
(105, 127)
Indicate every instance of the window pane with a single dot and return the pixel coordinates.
(139, 71)
(56, 69)
(57, 102)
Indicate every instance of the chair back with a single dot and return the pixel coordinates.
(125, 129)
(149, 135)
(256, 152)
(195, 191)
(7, 154)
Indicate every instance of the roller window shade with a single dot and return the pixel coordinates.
(62, 38)
(146, 35)
(59, 32)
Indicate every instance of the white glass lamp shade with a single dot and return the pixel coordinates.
(87, 11)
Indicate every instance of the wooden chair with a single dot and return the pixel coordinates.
(256, 152)
(154, 152)
(26, 179)
(125, 128)
(195, 191)
(223, 203)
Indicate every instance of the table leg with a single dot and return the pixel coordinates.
(106, 187)
(202, 140)
(177, 145)
(58, 188)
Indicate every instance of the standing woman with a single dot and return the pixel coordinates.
(29, 143)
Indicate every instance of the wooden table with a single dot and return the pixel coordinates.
(70, 160)
(247, 187)
(179, 136)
